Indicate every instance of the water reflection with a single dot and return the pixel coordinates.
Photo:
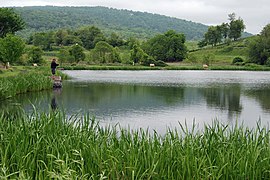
(224, 98)
(183, 97)
(261, 95)
(56, 92)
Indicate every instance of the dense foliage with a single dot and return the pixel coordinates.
(220, 33)
(11, 48)
(259, 50)
(168, 47)
(10, 22)
(127, 23)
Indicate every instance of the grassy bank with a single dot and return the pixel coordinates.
(18, 80)
(47, 146)
(177, 66)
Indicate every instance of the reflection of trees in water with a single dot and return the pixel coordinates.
(262, 96)
(121, 94)
(224, 98)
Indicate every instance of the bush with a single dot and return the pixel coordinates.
(35, 55)
(237, 60)
(147, 60)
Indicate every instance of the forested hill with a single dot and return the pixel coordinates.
(124, 22)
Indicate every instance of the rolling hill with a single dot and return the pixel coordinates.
(125, 22)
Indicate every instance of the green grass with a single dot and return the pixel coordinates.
(49, 146)
(110, 67)
(17, 80)
(10, 86)
(221, 54)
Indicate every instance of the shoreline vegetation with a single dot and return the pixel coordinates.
(52, 146)
(17, 80)
(251, 67)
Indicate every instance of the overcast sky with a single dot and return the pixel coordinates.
(255, 13)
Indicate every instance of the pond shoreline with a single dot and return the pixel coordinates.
(195, 67)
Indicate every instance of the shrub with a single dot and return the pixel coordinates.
(237, 60)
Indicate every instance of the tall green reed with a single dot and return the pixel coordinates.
(10, 86)
(44, 146)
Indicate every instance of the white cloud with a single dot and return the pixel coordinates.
(211, 12)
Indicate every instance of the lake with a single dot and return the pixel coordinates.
(160, 99)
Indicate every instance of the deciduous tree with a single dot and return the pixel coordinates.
(259, 48)
(236, 27)
(90, 36)
(11, 48)
(10, 22)
(167, 47)
(35, 55)
(77, 52)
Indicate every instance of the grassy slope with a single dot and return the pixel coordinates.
(220, 54)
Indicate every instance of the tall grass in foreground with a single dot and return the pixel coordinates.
(10, 86)
(44, 146)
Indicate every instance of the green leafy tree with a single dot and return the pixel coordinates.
(105, 53)
(177, 50)
(131, 42)
(213, 36)
(76, 51)
(35, 55)
(90, 36)
(116, 55)
(44, 40)
(115, 40)
(259, 48)
(236, 27)
(157, 47)
(167, 47)
(224, 29)
(64, 56)
(11, 48)
(71, 40)
(10, 22)
(60, 35)
(137, 55)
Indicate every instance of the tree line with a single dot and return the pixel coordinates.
(224, 32)
(73, 46)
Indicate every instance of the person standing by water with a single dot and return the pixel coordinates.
(53, 66)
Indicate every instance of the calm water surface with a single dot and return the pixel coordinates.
(161, 99)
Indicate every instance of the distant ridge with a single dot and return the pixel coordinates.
(125, 22)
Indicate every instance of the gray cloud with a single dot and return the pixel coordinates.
(211, 12)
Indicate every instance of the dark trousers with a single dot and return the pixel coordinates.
(53, 71)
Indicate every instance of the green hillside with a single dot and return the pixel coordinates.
(222, 54)
(127, 23)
